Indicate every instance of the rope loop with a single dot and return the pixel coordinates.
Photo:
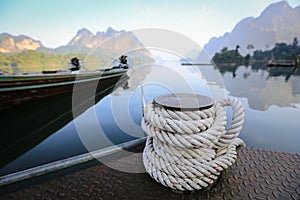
(187, 150)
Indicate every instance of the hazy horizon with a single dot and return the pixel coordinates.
(54, 24)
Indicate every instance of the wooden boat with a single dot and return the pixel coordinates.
(281, 63)
(26, 87)
(23, 127)
(19, 89)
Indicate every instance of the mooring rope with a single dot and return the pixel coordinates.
(187, 150)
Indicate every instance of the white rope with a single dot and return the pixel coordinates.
(188, 150)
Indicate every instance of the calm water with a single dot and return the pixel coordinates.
(272, 105)
(271, 99)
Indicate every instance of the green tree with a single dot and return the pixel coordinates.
(281, 51)
(247, 59)
(228, 57)
(295, 42)
(250, 47)
(224, 49)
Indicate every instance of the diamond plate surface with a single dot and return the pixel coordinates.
(257, 174)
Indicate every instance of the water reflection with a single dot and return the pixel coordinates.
(28, 129)
(271, 98)
(124, 106)
(272, 105)
(262, 86)
(114, 119)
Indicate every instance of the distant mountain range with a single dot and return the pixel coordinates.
(13, 44)
(83, 42)
(279, 22)
(97, 51)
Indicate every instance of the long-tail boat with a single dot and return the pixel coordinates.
(22, 88)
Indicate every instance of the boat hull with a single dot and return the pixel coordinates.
(44, 110)
(281, 63)
(22, 89)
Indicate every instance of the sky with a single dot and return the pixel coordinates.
(55, 22)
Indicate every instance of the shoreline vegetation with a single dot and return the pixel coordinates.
(35, 61)
(281, 51)
(31, 61)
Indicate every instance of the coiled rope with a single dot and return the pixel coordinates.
(187, 150)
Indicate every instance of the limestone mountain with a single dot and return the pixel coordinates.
(96, 51)
(83, 42)
(83, 38)
(15, 44)
(279, 22)
(115, 41)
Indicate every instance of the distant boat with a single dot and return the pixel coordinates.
(281, 63)
(19, 89)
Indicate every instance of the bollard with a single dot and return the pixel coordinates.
(188, 146)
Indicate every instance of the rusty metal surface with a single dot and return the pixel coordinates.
(257, 174)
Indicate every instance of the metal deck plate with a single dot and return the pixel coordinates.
(184, 101)
(257, 174)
